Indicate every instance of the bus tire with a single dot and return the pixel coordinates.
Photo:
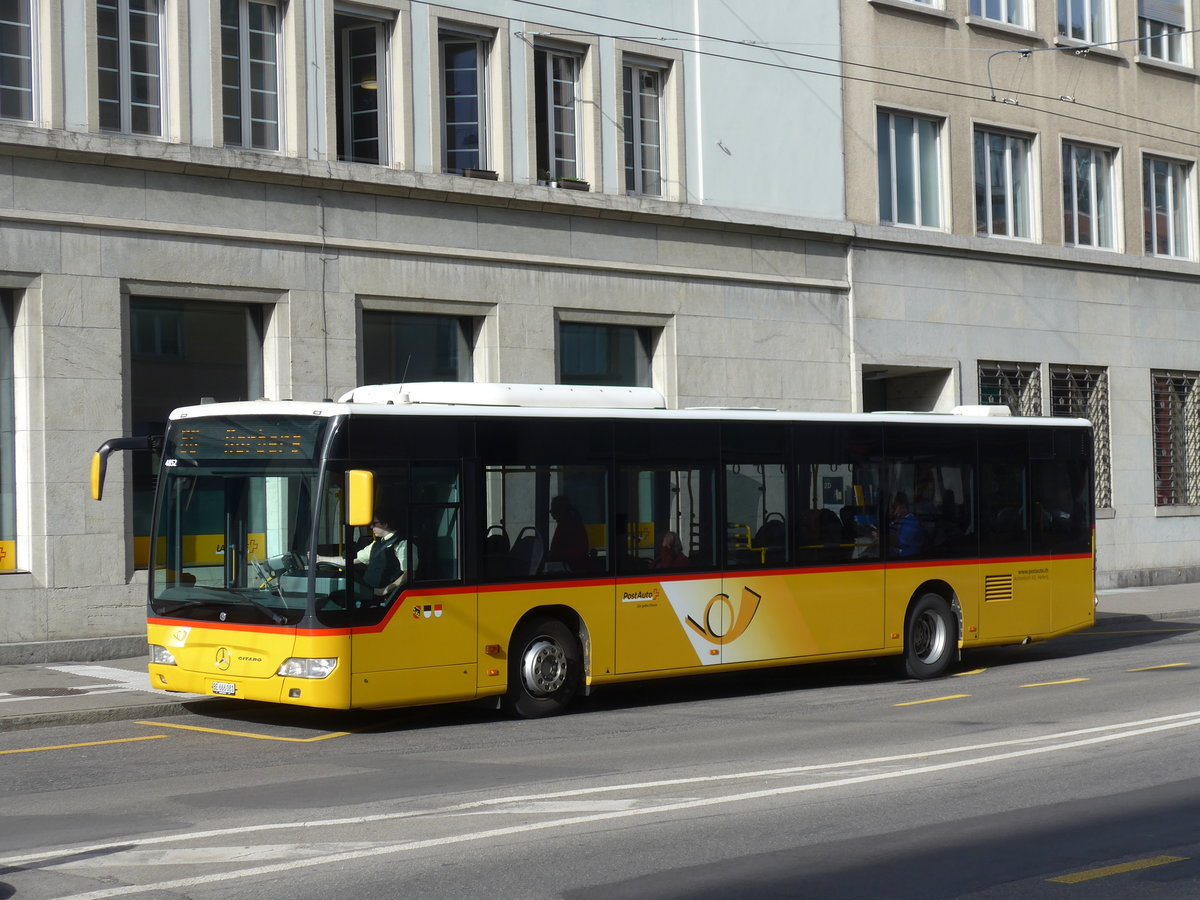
(544, 667)
(930, 637)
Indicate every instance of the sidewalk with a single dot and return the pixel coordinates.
(45, 694)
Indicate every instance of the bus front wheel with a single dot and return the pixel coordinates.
(930, 637)
(544, 664)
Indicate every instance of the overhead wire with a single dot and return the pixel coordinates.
(950, 83)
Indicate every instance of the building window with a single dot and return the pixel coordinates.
(556, 85)
(1176, 438)
(605, 354)
(362, 98)
(129, 63)
(1088, 196)
(464, 101)
(406, 347)
(642, 126)
(182, 352)
(1166, 207)
(1161, 24)
(1083, 20)
(16, 59)
(1015, 385)
(250, 74)
(1082, 392)
(1010, 12)
(1003, 199)
(8, 429)
(909, 170)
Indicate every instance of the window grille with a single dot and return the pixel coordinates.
(1176, 426)
(1082, 392)
(1015, 385)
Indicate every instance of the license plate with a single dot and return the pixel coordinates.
(225, 688)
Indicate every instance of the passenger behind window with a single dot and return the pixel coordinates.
(569, 544)
(904, 531)
(670, 552)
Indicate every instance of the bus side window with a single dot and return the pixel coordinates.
(667, 517)
(755, 510)
(434, 519)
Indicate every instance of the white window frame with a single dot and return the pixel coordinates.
(558, 166)
(484, 45)
(1161, 28)
(1017, 152)
(245, 112)
(30, 67)
(1006, 12)
(1172, 178)
(1175, 405)
(634, 122)
(1098, 166)
(381, 86)
(923, 206)
(125, 74)
(1093, 25)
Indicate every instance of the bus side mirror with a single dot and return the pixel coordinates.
(360, 497)
(100, 457)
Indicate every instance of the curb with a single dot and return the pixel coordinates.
(90, 716)
(1118, 618)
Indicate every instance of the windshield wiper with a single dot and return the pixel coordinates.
(259, 605)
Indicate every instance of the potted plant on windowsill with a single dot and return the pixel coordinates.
(486, 174)
(572, 184)
(543, 177)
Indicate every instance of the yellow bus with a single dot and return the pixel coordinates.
(440, 542)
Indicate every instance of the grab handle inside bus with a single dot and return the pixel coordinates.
(360, 497)
(100, 457)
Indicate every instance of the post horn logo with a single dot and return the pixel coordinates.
(223, 659)
(719, 611)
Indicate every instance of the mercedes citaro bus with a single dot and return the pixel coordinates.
(555, 539)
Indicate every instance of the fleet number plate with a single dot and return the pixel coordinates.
(227, 688)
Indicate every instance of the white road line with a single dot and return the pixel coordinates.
(602, 789)
(1133, 729)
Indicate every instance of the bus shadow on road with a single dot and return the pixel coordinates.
(304, 724)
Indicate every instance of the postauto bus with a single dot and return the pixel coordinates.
(556, 539)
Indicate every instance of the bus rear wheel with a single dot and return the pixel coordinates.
(930, 637)
(544, 666)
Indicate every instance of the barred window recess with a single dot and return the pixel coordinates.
(1176, 438)
(1015, 385)
(1082, 392)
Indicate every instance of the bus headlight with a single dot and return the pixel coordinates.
(302, 667)
(162, 656)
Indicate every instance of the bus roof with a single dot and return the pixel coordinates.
(547, 401)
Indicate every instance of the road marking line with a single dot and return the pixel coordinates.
(1166, 666)
(1053, 683)
(933, 700)
(972, 672)
(1188, 720)
(151, 737)
(1090, 874)
(1142, 726)
(251, 734)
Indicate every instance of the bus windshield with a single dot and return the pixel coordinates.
(234, 520)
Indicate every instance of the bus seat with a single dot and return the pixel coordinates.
(527, 552)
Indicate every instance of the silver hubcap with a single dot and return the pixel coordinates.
(929, 637)
(544, 668)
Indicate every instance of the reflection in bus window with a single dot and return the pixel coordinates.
(755, 511)
(656, 500)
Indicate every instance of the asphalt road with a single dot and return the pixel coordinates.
(1062, 770)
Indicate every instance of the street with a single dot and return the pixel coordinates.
(1061, 770)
